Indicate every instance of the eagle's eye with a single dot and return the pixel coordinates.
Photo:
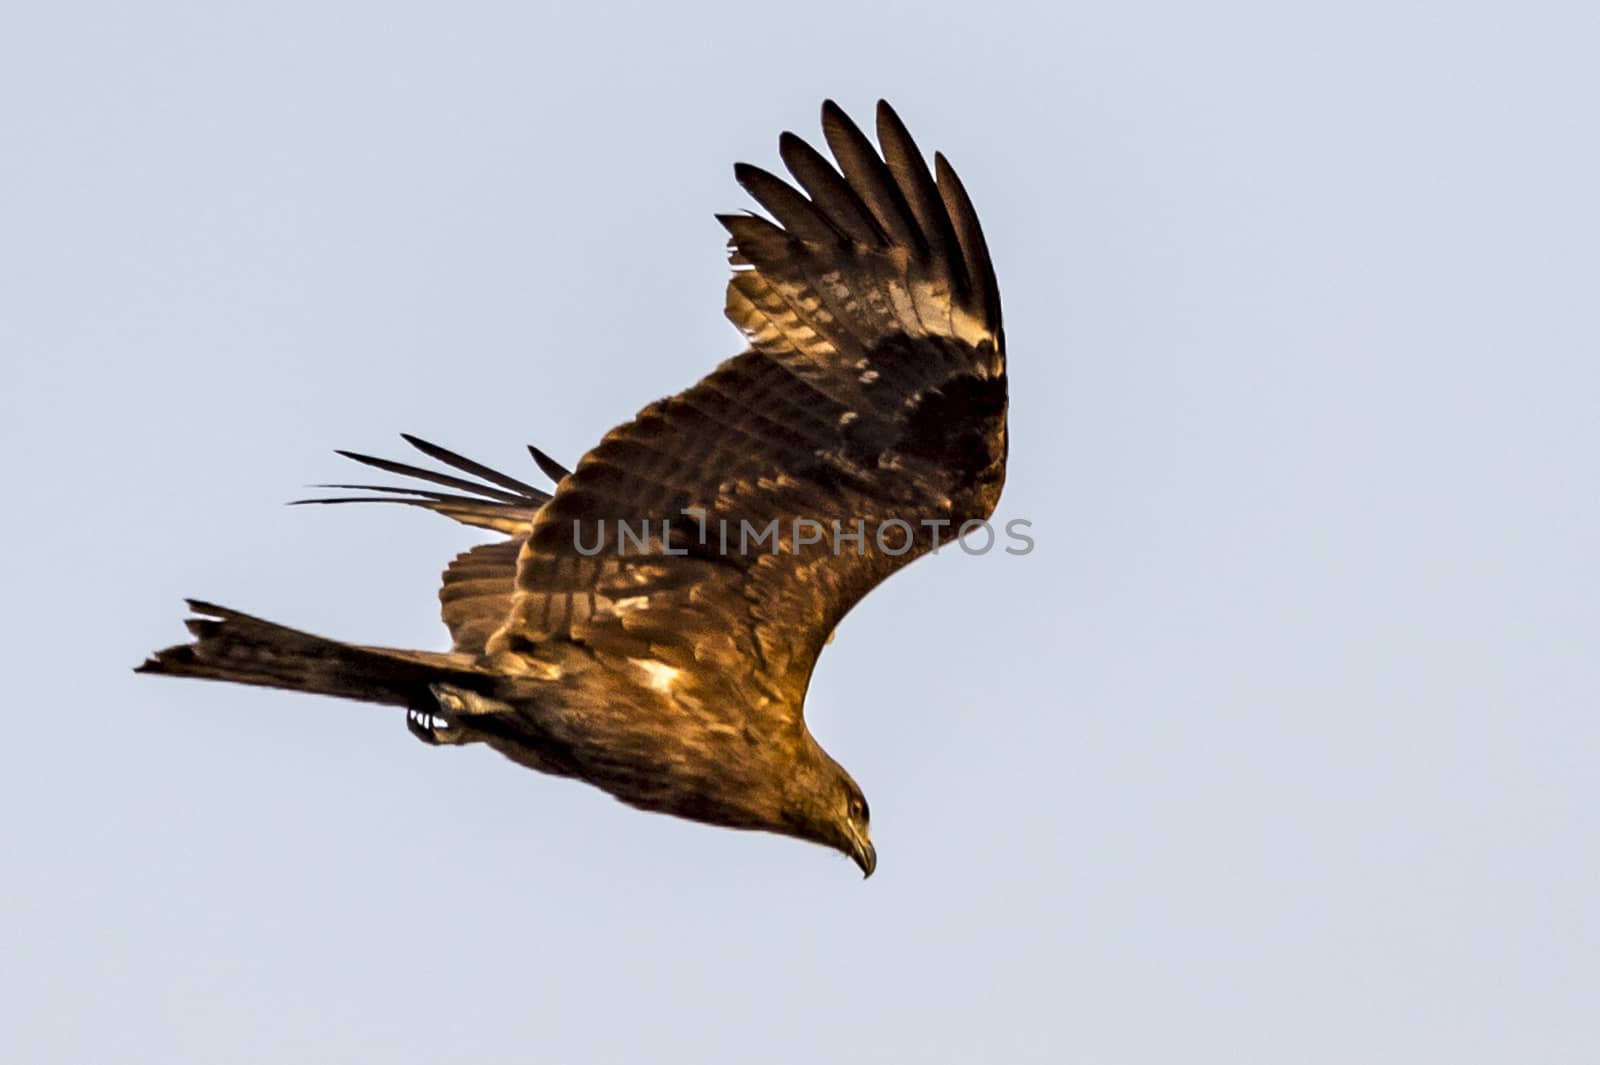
(858, 809)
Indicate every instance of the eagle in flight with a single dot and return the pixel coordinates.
(651, 625)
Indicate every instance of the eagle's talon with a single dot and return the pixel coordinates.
(420, 724)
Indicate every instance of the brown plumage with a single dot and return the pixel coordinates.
(666, 659)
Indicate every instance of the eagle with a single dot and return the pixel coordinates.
(651, 625)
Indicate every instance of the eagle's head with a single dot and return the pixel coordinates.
(825, 805)
(855, 829)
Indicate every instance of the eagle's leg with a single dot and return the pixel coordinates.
(440, 723)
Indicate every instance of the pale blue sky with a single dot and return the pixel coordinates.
(1281, 747)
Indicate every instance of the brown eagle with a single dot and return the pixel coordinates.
(650, 627)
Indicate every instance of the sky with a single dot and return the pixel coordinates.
(1281, 745)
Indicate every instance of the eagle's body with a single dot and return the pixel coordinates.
(651, 627)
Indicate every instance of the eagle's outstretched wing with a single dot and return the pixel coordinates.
(478, 584)
(871, 402)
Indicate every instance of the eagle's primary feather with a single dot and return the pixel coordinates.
(651, 626)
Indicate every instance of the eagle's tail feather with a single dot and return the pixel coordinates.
(236, 647)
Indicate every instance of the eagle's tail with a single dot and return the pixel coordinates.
(236, 647)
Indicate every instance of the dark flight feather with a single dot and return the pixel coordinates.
(833, 196)
(792, 210)
(974, 249)
(505, 505)
(869, 176)
(519, 488)
(431, 476)
(910, 173)
(549, 466)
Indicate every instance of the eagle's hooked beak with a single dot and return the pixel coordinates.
(865, 854)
